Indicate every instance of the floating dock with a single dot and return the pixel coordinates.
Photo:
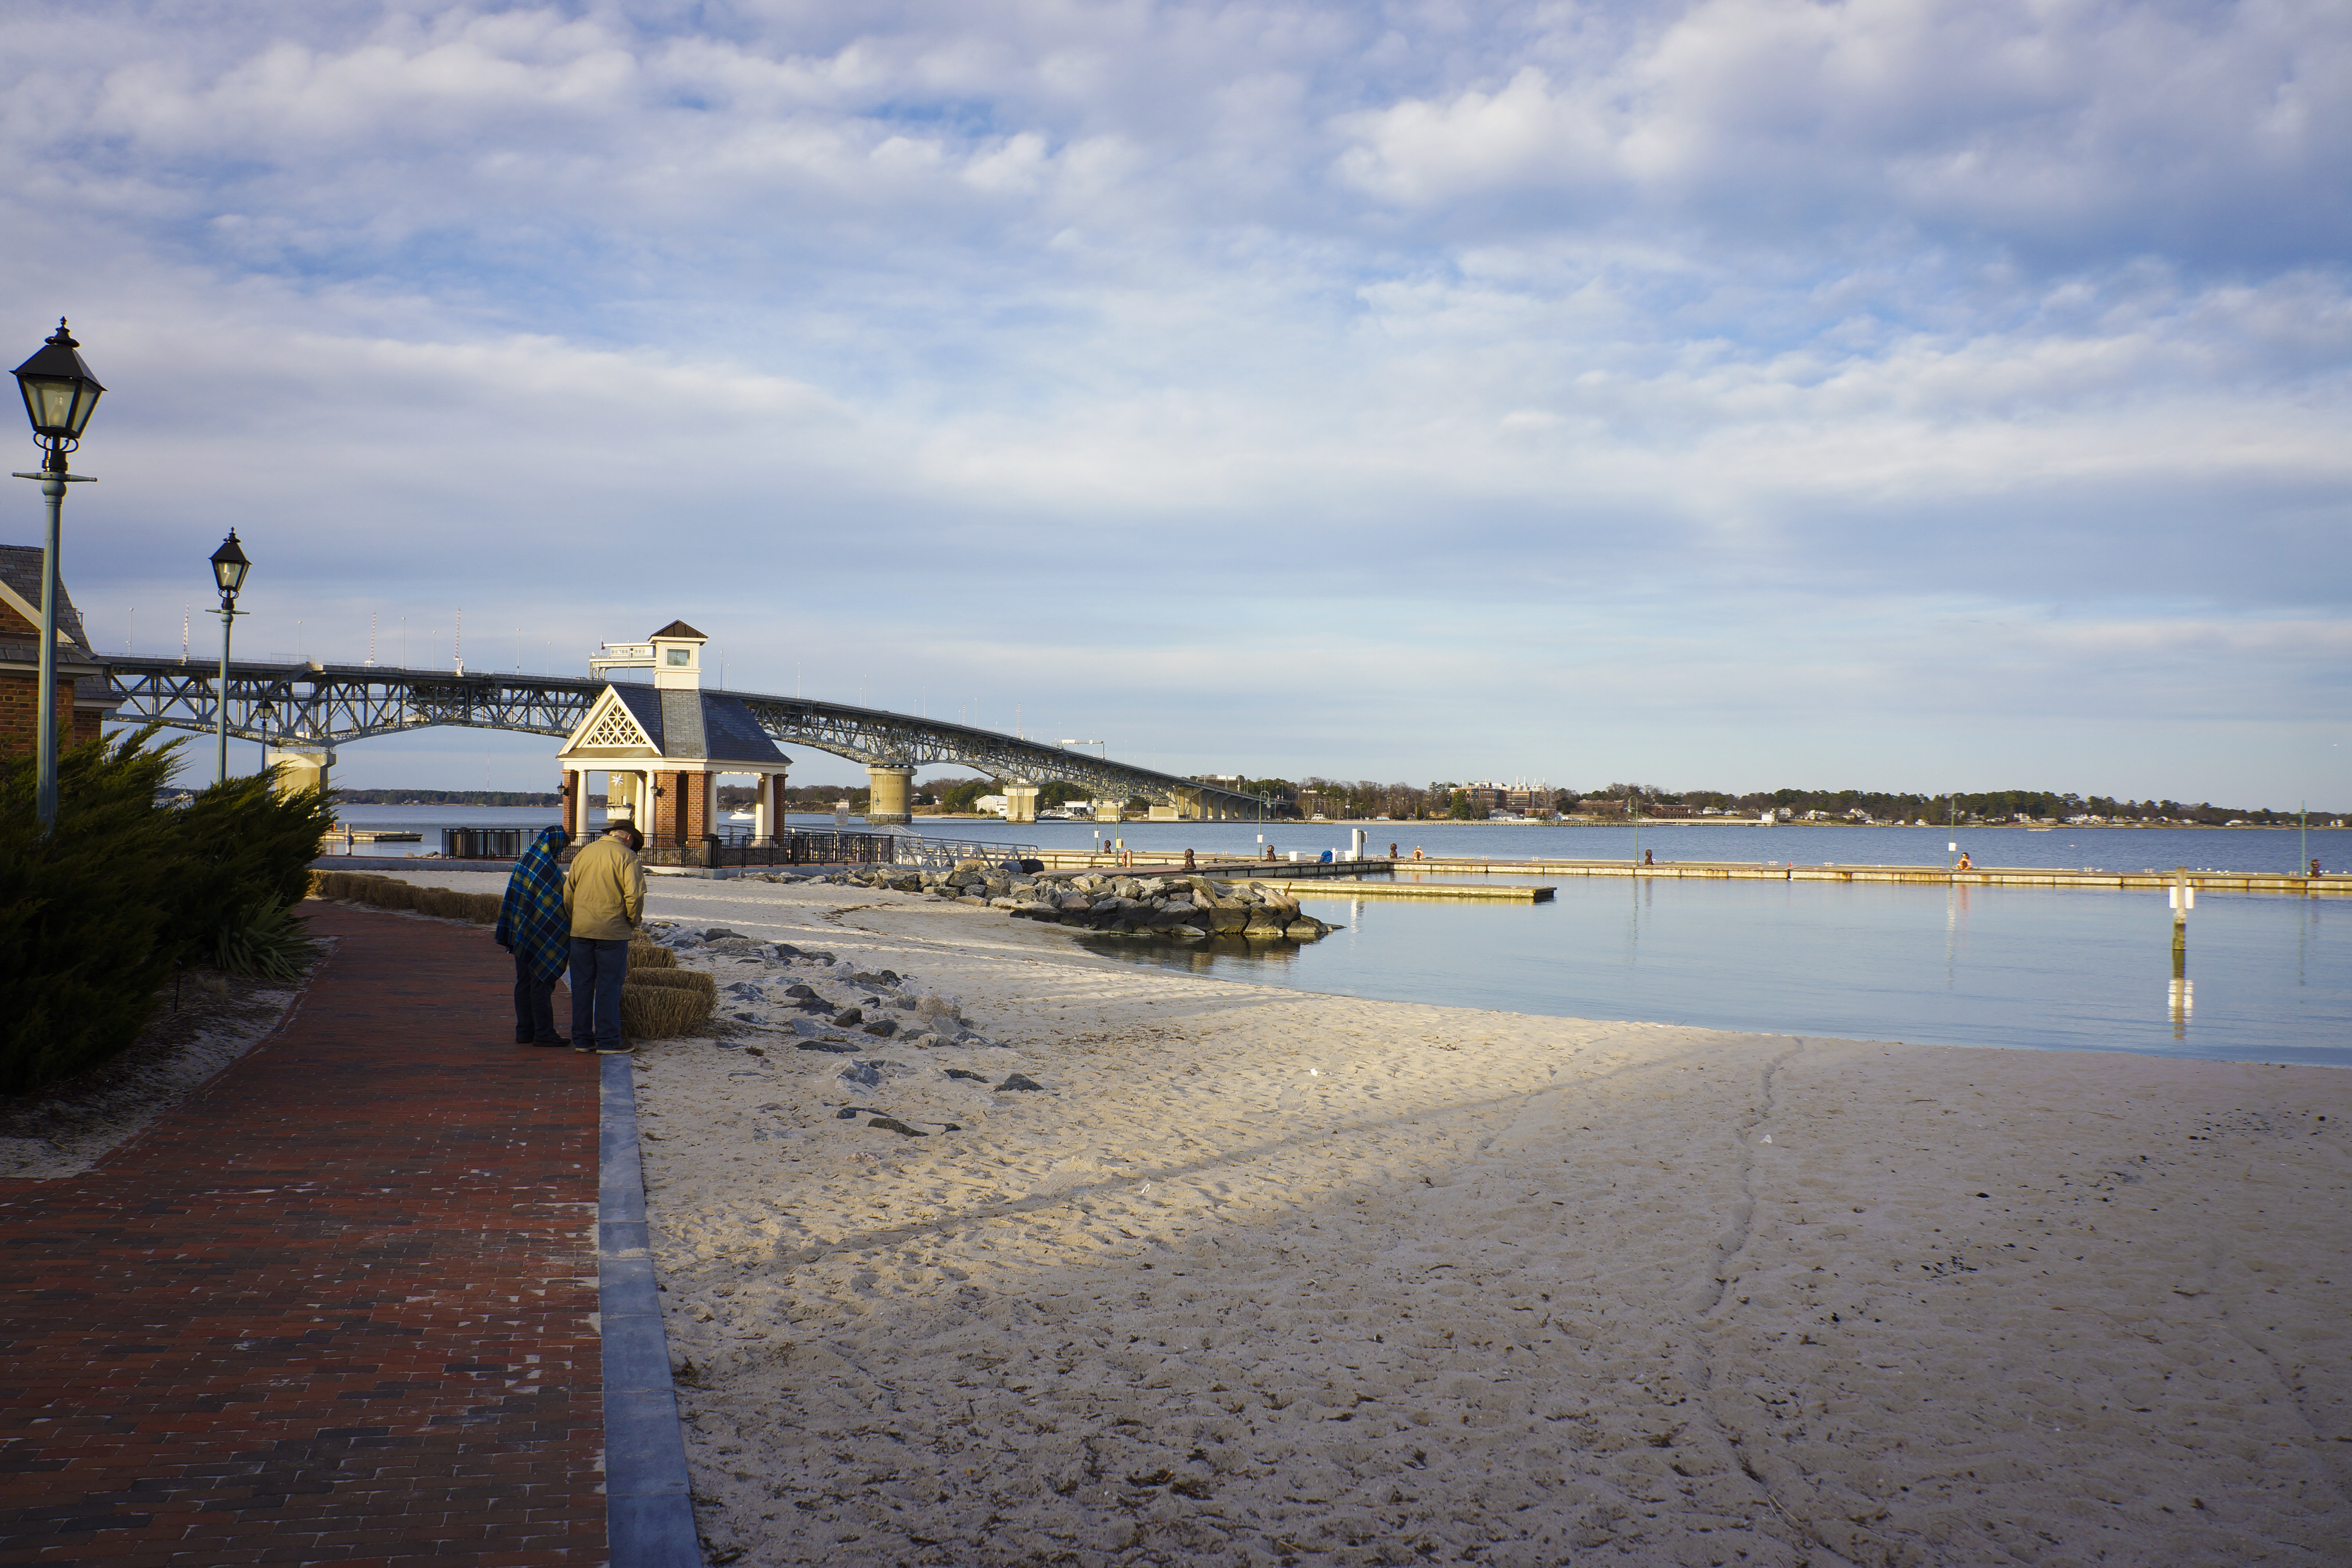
(1360, 887)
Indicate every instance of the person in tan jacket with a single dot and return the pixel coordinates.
(604, 895)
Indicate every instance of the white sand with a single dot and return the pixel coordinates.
(1265, 1276)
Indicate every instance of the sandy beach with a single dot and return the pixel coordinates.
(1256, 1275)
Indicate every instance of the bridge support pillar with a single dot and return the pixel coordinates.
(1021, 800)
(890, 785)
(303, 767)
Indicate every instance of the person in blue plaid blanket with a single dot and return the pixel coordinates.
(532, 926)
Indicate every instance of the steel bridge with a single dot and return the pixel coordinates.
(329, 705)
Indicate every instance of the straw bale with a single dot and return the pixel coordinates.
(651, 955)
(390, 893)
(693, 980)
(482, 908)
(661, 1012)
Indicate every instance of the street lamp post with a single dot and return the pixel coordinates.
(59, 397)
(229, 567)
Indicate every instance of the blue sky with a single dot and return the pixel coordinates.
(1908, 396)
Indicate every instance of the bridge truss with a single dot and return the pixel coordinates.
(332, 705)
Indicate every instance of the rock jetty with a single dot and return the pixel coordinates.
(1113, 904)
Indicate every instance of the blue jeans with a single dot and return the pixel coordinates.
(597, 970)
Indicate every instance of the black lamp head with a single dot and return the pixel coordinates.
(59, 390)
(229, 567)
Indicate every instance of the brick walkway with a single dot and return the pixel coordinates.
(335, 1308)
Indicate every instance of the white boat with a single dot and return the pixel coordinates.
(741, 816)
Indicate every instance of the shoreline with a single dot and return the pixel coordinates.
(1262, 1275)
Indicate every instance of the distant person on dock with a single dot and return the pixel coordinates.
(1187, 861)
(1392, 851)
(1649, 856)
(606, 898)
(533, 927)
(1963, 863)
(1416, 852)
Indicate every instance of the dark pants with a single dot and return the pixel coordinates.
(597, 970)
(534, 1005)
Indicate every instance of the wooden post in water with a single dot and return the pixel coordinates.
(2184, 898)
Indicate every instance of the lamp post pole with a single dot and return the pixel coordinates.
(60, 396)
(229, 567)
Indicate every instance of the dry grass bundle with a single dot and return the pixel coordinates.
(482, 908)
(389, 894)
(441, 904)
(662, 1012)
(693, 980)
(651, 955)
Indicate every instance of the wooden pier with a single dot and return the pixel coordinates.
(1159, 863)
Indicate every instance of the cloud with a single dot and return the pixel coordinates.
(1639, 338)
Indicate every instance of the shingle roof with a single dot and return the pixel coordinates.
(20, 568)
(670, 719)
(679, 629)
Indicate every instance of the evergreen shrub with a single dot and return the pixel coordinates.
(97, 915)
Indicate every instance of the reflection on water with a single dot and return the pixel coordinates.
(2031, 968)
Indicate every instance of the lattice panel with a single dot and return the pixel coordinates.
(616, 728)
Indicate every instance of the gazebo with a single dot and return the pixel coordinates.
(663, 745)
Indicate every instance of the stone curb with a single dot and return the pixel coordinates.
(648, 1513)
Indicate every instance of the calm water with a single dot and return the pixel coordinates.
(2108, 848)
(2269, 977)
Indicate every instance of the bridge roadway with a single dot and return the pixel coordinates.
(328, 705)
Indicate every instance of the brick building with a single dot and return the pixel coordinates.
(83, 705)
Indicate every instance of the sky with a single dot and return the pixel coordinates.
(1735, 394)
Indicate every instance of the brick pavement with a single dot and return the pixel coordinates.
(336, 1308)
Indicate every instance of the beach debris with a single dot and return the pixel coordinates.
(850, 1112)
(837, 1048)
(960, 1072)
(1018, 1081)
(720, 933)
(892, 1124)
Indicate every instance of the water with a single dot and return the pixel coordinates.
(2103, 848)
(2023, 967)
(2036, 968)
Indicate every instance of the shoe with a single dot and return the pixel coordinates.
(553, 1041)
(522, 1038)
(621, 1048)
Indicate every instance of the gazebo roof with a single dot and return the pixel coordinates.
(681, 630)
(707, 728)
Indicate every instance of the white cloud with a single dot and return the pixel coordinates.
(1818, 314)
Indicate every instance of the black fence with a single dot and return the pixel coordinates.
(798, 848)
(483, 842)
